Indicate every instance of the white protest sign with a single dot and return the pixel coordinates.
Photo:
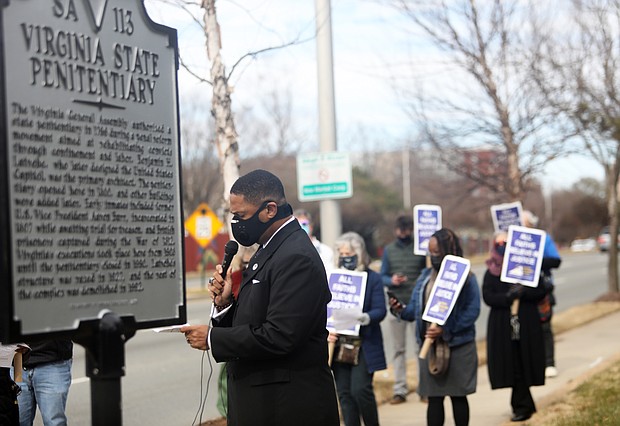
(523, 256)
(446, 289)
(505, 215)
(426, 221)
(348, 290)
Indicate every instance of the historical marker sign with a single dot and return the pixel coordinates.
(90, 151)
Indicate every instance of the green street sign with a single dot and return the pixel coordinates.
(323, 176)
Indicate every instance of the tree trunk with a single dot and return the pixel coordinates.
(221, 109)
(611, 179)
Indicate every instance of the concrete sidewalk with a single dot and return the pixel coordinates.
(578, 352)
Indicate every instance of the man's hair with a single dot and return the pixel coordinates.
(404, 222)
(259, 186)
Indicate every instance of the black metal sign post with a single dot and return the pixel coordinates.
(91, 221)
(105, 365)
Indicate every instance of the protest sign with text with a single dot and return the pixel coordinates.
(448, 284)
(426, 220)
(523, 256)
(505, 215)
(348, 290)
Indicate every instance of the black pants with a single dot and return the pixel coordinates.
(435, 414)
(549, 348)
(521, 398)
(9, 411)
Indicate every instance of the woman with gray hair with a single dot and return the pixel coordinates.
(354, 381)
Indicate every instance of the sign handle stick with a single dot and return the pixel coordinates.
(18, 367)
(330, 350)
(514, 308)
(426, 346)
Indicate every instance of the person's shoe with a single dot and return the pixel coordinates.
(520, 417)
(551, 372)
(398, 399)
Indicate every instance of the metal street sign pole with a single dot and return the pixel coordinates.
(105, 365)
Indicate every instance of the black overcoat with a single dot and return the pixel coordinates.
(274, 338)
(500, 354)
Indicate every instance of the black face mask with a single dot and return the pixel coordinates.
(247, 232)
(348, 262)
(436, 262)
(405, 240)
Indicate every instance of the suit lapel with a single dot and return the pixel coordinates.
(262, 256)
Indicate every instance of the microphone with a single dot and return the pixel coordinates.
(230, 250)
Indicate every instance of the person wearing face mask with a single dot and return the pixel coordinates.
(455, 340)
(515, 360)
(354, 382)
(272, 335)
(305, 220)
(400, 269)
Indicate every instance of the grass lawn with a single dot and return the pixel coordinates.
(595, 402)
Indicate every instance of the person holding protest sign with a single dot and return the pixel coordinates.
(515, 357)
(452, 365)
(354, 379)
(551, 260)
(400, 269)
(273, 336)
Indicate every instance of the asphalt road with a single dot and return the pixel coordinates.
(166, 382)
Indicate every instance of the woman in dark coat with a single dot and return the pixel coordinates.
(459, 333)
(516, 364)
(354, 382)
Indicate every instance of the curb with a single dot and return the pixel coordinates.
(574, 317)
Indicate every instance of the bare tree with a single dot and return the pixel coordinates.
(226, 136)
(269, 126)
(484, 94)
(577, 68)
(202, 181)
(225, 132)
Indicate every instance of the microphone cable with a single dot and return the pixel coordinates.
(202, 401)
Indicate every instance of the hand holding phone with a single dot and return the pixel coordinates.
(398, 305)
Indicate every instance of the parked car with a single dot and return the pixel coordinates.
(583, 244)
(604, 239)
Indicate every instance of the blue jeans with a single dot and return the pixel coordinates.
(47, 386)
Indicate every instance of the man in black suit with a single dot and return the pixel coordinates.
(273, 336)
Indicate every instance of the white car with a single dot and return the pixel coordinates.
(585, 244)
(604, 239)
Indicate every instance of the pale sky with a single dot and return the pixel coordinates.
(370, 44)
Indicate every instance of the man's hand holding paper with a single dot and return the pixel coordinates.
(196, 336)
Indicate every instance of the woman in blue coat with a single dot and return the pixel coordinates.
(459, 378)
(354, 382)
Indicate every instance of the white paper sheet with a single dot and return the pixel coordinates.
(346, 318)
(169, 329)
